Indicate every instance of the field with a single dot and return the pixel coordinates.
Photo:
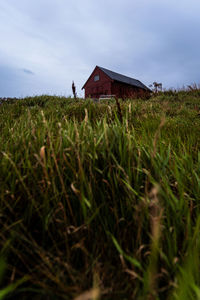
(98, 200)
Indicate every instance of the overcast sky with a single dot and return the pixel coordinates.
(45, 44)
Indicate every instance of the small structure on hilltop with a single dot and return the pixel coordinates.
(103, 82)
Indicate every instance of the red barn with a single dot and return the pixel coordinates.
(105, 82)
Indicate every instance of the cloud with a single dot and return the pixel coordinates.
(10, 81)
(26, 71)
(61, 41)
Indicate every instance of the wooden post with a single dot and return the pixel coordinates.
(74, 89)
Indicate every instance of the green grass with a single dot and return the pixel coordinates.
(91, 205)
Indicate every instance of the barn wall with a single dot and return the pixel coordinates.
(95, 89)
(122, 90)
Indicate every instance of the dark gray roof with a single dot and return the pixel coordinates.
(125, 79)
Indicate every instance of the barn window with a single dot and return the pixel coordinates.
(96, 77)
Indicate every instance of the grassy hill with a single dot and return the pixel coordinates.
(99, 201)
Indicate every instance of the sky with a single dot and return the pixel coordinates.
(46, 44)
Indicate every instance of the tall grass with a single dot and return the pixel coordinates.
(97, 206)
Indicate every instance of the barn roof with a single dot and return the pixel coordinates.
(124, 79)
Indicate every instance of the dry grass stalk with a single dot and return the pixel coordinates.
(92, 294)
(156, 136)
(156, 213)
(119, 110)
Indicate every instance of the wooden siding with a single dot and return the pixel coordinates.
(95, 89)
(122, 90)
